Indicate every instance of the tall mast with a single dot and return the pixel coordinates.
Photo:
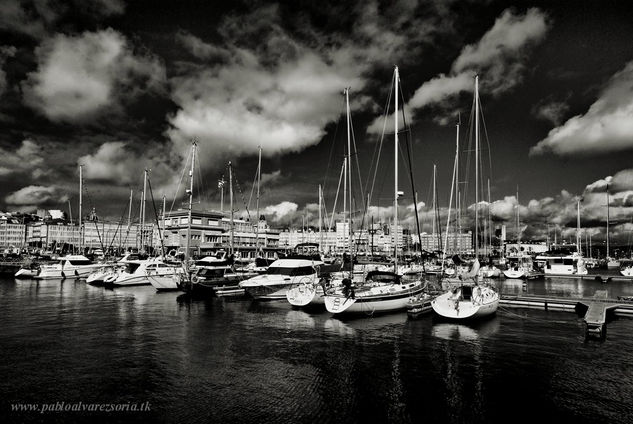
(608, 221)
(458, 200)
(129, 212)
(190, 192)
(259, 179)
(433, 204)
(477, 166)
(518, 228)
(450, 202)
(231, 201)
(221, 187)
(143, 209)
(372, 235)
(490, 221)
(345, 196)
(578, 228)
(162, 239)
(320, 223)
(81, 167)
(349, 175)
(395, 178)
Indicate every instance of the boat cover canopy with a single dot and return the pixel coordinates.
(383, 277)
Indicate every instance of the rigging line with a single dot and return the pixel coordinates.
(250, 198)
(487, 140)
(239, 189)
(471, 130)
(182, 176)
(408, 137)
(91, 201)
(429, 194)
(360, 181)
(336, 198)
(329, 162)
(437, 219)
(382, 137)
(201, 186)
(160, 234)
(116, 231)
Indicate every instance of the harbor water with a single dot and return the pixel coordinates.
(242, 361)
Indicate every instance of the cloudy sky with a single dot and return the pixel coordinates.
(121, 86)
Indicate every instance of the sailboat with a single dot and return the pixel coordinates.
(572, 264)
(520, 263)
(469, 299)
(70, 266)
(612, 263)
(382, 291)
(313, 292)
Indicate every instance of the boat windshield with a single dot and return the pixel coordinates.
(131, 267)
(293, 272)
(210, 273)
(80, 262)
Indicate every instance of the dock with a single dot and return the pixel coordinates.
(596, 309)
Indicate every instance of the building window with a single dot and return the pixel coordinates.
(197, 221)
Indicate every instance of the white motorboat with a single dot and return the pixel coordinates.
(108, 270)
(467, 302)
(489, 271)
(382, 291)
(138, 273)
(613, 263)
(71, 266)
(563, 264)
(627, 271)
(27, 271)
(99, 275)
(280, 276)
(519, 266)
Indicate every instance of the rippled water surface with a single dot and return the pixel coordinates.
(242, 361)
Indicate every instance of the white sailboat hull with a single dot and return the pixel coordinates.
(25, 273)
(164, 282)
(512, 273)
(305, 294)
(627, 272)
(562, 271)
(445, 306)
(372, 302)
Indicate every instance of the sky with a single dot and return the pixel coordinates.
(120, 87)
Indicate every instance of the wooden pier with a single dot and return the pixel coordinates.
(596, 308)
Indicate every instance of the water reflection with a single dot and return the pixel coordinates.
(466, 331)
(337, 327)
(296, 320)
(244, 361)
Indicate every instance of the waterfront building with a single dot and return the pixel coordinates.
(96, 235)
(12, 234)
(457, 243)
(528, 247)
(378, 239)
(211, 231)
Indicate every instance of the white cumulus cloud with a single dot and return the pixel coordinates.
(497, 57)
(78, 76)
(36, 195)
(606, 127)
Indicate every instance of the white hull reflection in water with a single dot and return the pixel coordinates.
(466, 331)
